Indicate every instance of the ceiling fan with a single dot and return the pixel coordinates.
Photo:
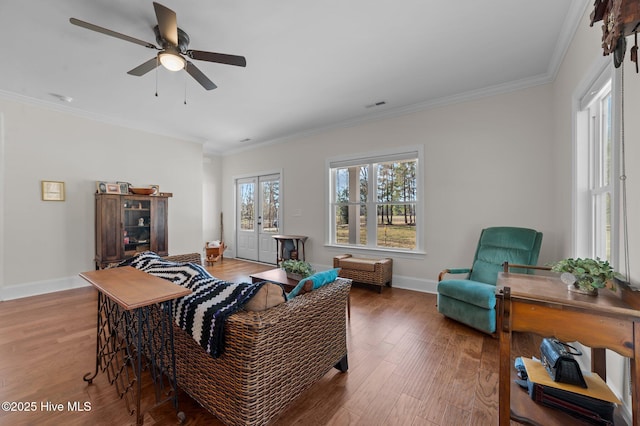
(174, 43)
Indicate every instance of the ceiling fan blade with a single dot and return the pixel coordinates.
(200, 77)
(111, 33)
(221, 58)
(167, 22)
(142, 69)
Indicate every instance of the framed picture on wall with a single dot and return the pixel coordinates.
(52, 190)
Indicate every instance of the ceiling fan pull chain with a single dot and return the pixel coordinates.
(634, 51)
(185, 87)
(157, 64)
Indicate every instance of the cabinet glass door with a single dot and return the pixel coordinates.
(137, 226)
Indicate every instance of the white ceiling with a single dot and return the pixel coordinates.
(310, 64)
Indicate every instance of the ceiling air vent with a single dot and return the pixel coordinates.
(377, 104)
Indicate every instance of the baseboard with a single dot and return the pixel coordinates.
(35, 288)
(406, 283)
(415, 284)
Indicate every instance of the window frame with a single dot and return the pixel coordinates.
(369, 159)
(587, 157)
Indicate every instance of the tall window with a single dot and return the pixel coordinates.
(596, 190)
(375, 201)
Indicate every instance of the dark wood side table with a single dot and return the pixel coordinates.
(135, 333)
(543, 305)
(297, 241)
(278, 276)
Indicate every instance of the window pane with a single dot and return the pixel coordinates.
(342, 185)
(351, 224)
(396, 226)
(606, 140)
(602, 226)
(396, 181)
(351, 184)
(375, 201)
(247, 207)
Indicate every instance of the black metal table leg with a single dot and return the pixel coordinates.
(129, 342)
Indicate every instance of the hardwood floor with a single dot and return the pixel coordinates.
(408, 365)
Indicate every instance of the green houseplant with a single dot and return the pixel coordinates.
(297, 269)
(585, 275)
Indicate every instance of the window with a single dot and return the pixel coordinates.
(375, 201)
(595, 184)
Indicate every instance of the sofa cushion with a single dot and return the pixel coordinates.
(358, 264)
(269, 295)
(472, 292)
(314, 282)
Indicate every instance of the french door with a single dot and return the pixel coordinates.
(257, 215)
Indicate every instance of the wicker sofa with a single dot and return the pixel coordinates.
(270, 357)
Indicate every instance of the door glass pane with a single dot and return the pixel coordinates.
(270, 205)
(247, 206)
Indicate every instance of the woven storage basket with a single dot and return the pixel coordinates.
(270, 357)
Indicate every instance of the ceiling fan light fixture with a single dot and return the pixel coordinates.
(172, 61)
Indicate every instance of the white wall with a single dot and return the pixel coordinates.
(212, 198)
(487, 163)
(46, 244)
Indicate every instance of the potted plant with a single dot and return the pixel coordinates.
(585, 275)
(297, 269)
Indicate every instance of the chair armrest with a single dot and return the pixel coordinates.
(507, 265)
(338, 258)
(453, 271)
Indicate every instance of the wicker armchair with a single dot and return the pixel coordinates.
(270, 357)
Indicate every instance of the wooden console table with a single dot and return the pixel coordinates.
(543, 305)
(296, 239)
(135, 333)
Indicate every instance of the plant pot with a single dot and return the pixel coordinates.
(293, 276)
(581, 290)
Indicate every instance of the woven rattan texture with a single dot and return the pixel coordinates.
(270, 357)
(380, 276)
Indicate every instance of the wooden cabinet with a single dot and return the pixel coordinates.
(129, 224)
(542, 305)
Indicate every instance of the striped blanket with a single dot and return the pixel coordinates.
(202, 313)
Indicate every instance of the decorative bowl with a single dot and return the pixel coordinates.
(142, 191)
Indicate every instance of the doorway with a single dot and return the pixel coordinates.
(258, 217)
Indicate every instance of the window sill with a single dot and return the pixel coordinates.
(373, 251)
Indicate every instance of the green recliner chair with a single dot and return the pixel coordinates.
(472, 300)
